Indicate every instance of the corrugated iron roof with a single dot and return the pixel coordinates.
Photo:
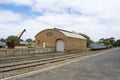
(70, 34)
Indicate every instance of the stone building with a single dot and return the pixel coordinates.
(59, 39)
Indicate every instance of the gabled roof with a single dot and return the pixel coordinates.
(70, 34)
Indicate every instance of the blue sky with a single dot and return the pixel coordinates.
(24, 10)
(96, 18)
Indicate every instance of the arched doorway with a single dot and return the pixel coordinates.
(60, 45)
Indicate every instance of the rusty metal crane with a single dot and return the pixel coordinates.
(11, 45)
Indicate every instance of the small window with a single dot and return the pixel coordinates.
(49, 34)
(38, 42)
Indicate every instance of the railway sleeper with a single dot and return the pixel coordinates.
(17, 67)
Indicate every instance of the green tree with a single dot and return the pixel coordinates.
(105, 41)
(21, 40)
(2, 40)
(111, 40)
(29, 40)
(11, 38)
(89, 41)
(117, 43)
(108, 41)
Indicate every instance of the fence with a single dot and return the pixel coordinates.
(24, 51)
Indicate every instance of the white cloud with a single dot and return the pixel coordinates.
(9, 23)
(9, 17)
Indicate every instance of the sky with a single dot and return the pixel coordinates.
(95, 18)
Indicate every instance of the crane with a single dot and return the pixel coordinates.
(12, 44)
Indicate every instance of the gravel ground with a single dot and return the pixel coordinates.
(102, 67)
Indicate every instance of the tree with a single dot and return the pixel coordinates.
(89, 41)
(105, 41)
(29, 40)
(117, 43)
(11, 38)
(21, 40)
(111, 40)
(2, 40)
(108, 41)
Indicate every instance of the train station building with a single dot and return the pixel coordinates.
(59, 39)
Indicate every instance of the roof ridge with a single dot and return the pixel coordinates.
(63, 30)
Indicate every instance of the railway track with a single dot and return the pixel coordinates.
(7, 67)
(31, 57)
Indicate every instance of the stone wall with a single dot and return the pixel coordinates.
(24, 51)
